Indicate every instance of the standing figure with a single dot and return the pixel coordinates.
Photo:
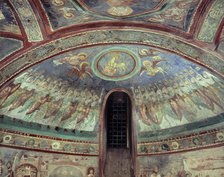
(70, 110)
(7, 91)
(53, 108)
(22, 99)
(36, 106)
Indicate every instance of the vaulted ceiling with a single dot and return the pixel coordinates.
(196, 26)
(94, 46)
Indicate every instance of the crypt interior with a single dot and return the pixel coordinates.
(111, 88)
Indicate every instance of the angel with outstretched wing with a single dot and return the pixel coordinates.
(151, 68)
(81, 71)
(80, 66)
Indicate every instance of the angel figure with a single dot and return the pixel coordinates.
(112, 66)
(80, 66)
(7, 91)
(151, 68)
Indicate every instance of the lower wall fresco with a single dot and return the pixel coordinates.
(21, 163)
(201, 163)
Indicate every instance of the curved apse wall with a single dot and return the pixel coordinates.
(66, 92)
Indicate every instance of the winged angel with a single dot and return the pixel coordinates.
(80, 66)
(151, 68)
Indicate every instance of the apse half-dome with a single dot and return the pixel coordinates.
(67, 90)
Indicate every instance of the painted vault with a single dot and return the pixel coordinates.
(60, 58)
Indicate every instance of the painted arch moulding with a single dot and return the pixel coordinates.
(112, 36)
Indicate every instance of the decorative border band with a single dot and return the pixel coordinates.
(21, 140)
(185, 143)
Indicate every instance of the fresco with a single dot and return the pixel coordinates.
(65, 90)
(62, 13)
(8, 21)
(116, 64)
(154, 144)
(9, 46)
(190, 96)
(177, 14)
(121, 8)
(212, 21)
(172, 13)
(78, 146)
(56, 105)
(118, 36)
(22, 163)
(28, 19)
(203, 163)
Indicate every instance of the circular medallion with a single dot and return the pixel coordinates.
(175, 145)
(7, 138)
(220, 136)
(55, 145)
(116, 64)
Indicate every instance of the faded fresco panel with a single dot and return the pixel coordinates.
(122, 7)
(177, 14)
(62, 14)
(9, 46)
(8, 21)
(28, 19)
(23, 163)
(201, 163)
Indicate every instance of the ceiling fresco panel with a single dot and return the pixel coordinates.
(176, 14)
(8, 21)
(62, 14)
(120, 8)
(9, 46)
(28, 19)
(212, 22)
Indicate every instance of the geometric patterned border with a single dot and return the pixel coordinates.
(194, 141)
(212, 22)
(28, 19)
(21, 140)
(184, 143)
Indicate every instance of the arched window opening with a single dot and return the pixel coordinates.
(118, 120)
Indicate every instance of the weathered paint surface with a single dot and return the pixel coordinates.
(9, 46)
(206, 163)
(67, 90)
(8, 21)
(36, 164)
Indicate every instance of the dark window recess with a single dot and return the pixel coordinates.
(117, 121)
